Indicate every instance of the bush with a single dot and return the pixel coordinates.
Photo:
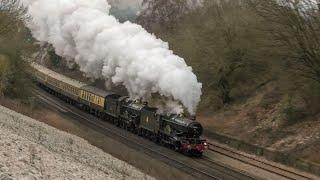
(4, 70)
(55, 60)
(310, 93)
(293, 110)
(294, 114)
(15, 47)
(271, 98)
(17, 80)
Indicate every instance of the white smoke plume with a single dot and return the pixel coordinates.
(121, 53)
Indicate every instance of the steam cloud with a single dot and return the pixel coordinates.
(120, 53)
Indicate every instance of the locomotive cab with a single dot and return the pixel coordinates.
(130, 114)
(195, 130)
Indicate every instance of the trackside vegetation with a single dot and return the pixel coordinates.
(238, 47)
(15, 47)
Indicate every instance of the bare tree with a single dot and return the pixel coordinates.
(14, 46)
(163, 12)
(12, 13)
(295, 28)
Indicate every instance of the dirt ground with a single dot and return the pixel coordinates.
(266, 127)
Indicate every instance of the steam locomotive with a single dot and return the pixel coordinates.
(175, 131)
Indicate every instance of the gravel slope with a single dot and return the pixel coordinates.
(33, 150)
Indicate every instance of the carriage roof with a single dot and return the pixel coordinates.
(58, 76)
(97, 91)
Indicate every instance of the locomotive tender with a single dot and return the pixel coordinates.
(175, 131)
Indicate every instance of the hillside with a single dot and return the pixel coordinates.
(258, 85)
(251, 122)
(251, 90)
(33, 150)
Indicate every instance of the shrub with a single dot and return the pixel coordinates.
(271, 98)
(293, 109)
(15, 47)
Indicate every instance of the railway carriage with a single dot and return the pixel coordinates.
(93, 99)
(58, 84)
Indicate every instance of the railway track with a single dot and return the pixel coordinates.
(262, 164)
(210, 163)
(199, 168)
(202, 168)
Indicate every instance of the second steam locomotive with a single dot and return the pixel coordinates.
(176, 131)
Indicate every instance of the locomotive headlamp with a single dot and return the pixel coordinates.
(205, 145)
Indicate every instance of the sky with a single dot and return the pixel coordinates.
(126, 3)
(125, 10)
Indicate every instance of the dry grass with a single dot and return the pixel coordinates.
(267, 125)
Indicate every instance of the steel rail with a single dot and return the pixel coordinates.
(235, 153)
(245, 174)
